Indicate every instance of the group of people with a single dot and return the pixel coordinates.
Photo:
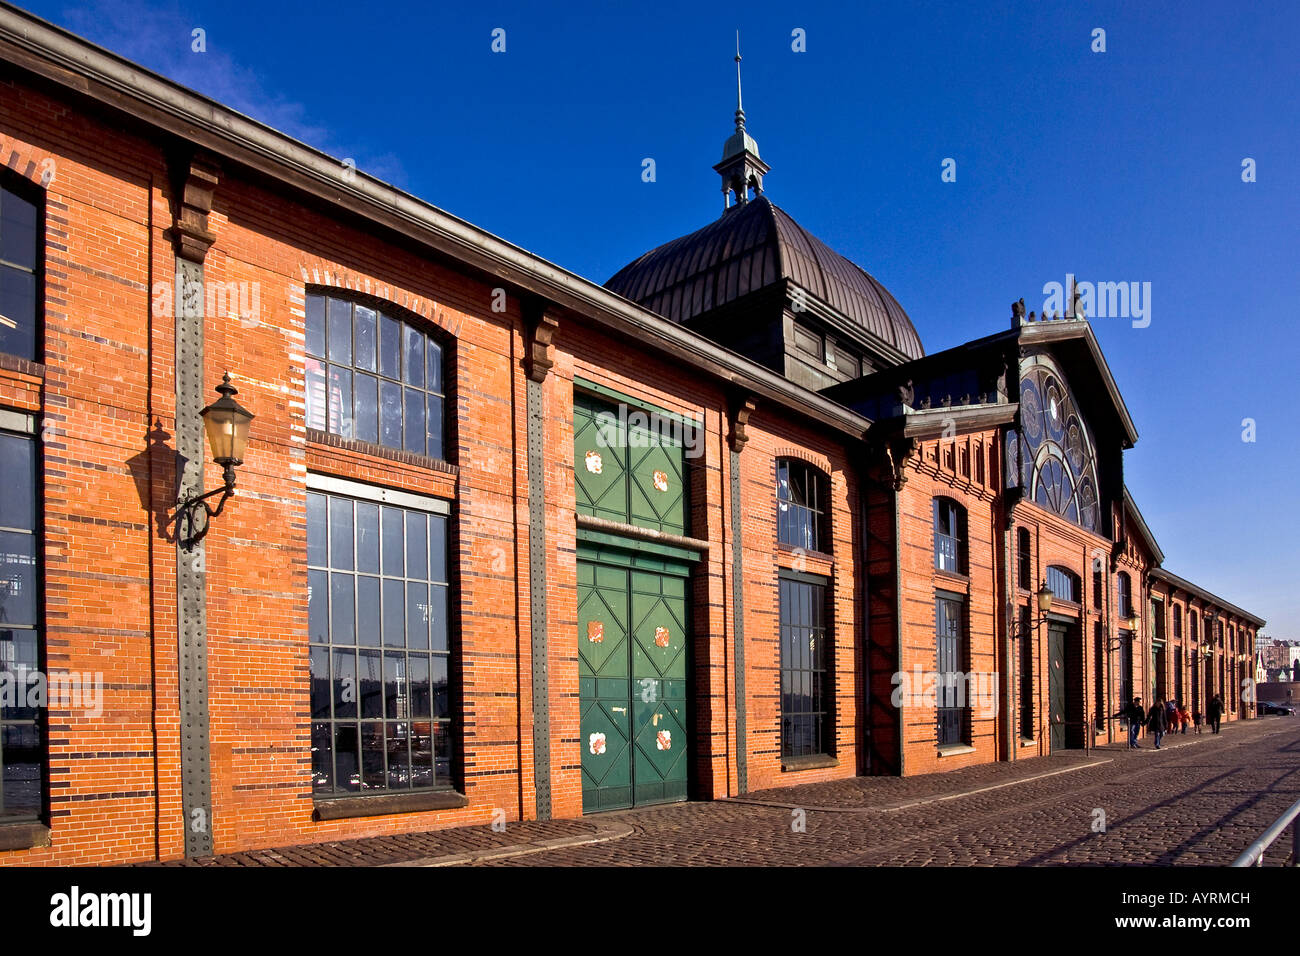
(1167, 717)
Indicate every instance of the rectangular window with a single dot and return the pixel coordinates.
(805, 691)
(950, 643)
(21, 240)
(1024, 556)
(1026, 675)
(22, 727)
(380, 647)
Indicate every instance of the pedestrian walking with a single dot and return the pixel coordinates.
(1215, 712)
(1196, 719)
(1158, 720)
(1171, 716)
(1134, 714)
(1184, 718)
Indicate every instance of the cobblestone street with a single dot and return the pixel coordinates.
(1200, 800)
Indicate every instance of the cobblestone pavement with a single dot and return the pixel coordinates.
(1200, 800)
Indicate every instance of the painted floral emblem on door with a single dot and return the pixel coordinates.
(594, 463)
(597, 744)
(661, 481)
(596, 631)
(664, 740)
(661, 636)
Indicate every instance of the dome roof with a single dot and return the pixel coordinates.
(754, 245)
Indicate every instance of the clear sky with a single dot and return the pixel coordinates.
(1122, 165)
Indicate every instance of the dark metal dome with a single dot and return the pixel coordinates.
(751, 246)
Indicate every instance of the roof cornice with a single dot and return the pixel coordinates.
(1056, 330)
(1207, 597)
(84, 68)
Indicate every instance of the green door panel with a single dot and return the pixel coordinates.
(599, 461)
(633, 635)
(626, 469)
(657, 471)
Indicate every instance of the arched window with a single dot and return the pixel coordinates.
(949, 536)
(1056, 458)
(1065, 584)
(1098, 577)
(20, 256)
(1124, 587)
(373, 377)
(801, 498)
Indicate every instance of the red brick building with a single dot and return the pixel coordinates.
(506, 543)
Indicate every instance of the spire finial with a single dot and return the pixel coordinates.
(740, 105)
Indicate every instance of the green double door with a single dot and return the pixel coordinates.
(633, 651)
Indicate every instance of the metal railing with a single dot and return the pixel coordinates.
(1254, 854)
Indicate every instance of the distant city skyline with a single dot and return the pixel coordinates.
(1161, 166)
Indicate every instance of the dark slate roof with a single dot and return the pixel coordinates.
(752, 246)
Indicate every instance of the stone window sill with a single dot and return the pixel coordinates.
(952, 750)
(1026, 742)
(23, 836)
(813, 762)
(343, 808)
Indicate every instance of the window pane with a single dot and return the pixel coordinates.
(19, 661)
(346, 745)
(317, 401)
(23, 766)
(316, 530)
(322, 758)
(316, 325)
(396, 701)
(414, 438)
(342, 609)
(372, 756)
(367, 537)
(341, 539)
(393, 541)
(438, 616)
(340, 331)
(417, 546)
(368, 620)
(390, 415)
(17, 578)
(434, 427)
(421, 700)
(18, 306)
(399, 761)
(318, 628)
(340, 411)
(17, 230)
(417, 616)
(345, 683)
(414, 366)
(367, 418)
(370, 683)
(433, 352)
(437, 548)
(320, 682)
(394, 613)
(366, 344)
(390, 347)
(18, 482)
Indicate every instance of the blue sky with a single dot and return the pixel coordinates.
(1123, 165)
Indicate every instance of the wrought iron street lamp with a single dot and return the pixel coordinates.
(226, 423)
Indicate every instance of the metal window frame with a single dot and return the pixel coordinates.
(403, 324)
(822, 709)
(342, 488)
